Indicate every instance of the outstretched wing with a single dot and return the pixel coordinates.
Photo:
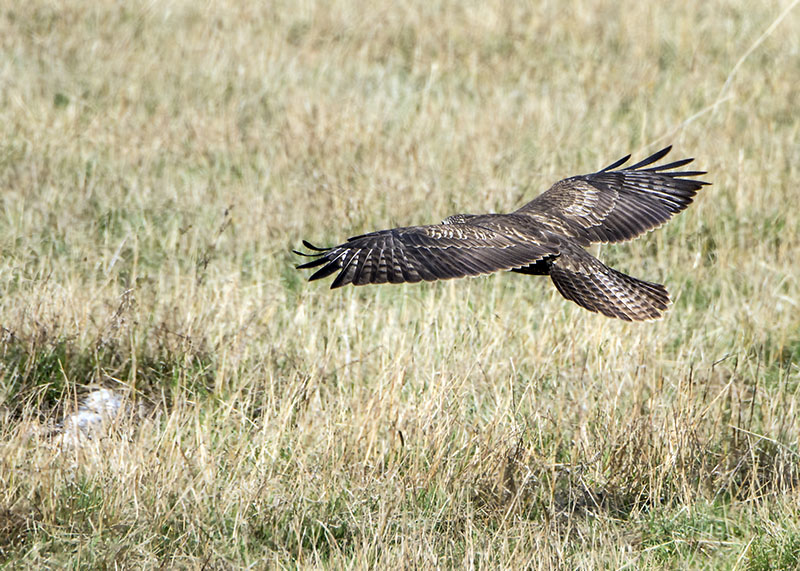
(429, 253)
(616, 205)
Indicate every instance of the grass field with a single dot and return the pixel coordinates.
(159, 160)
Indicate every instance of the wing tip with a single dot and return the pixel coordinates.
(617, 163)
(317, 253)
(311, 246)
(655, 157)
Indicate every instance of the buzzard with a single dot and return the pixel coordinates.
(547, 236)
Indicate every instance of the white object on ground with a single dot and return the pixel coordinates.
(99, 410)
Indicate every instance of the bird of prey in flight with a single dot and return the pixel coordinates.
(547, 236)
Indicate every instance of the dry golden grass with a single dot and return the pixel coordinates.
(158, 162)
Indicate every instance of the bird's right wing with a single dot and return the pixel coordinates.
(429, 253)
(615, 205)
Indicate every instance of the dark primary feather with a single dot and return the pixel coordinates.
(544, 237)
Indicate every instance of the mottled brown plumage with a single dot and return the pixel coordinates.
(547, 236)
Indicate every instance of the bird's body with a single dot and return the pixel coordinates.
(547, 236)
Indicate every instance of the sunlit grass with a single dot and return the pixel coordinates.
(157, 164)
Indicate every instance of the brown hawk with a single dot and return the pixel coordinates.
(547, 236)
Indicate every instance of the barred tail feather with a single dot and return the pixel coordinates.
(591, 284)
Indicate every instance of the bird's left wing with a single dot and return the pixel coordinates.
(617, 204)
(429, 253)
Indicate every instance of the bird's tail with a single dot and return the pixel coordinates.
(582, 278)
